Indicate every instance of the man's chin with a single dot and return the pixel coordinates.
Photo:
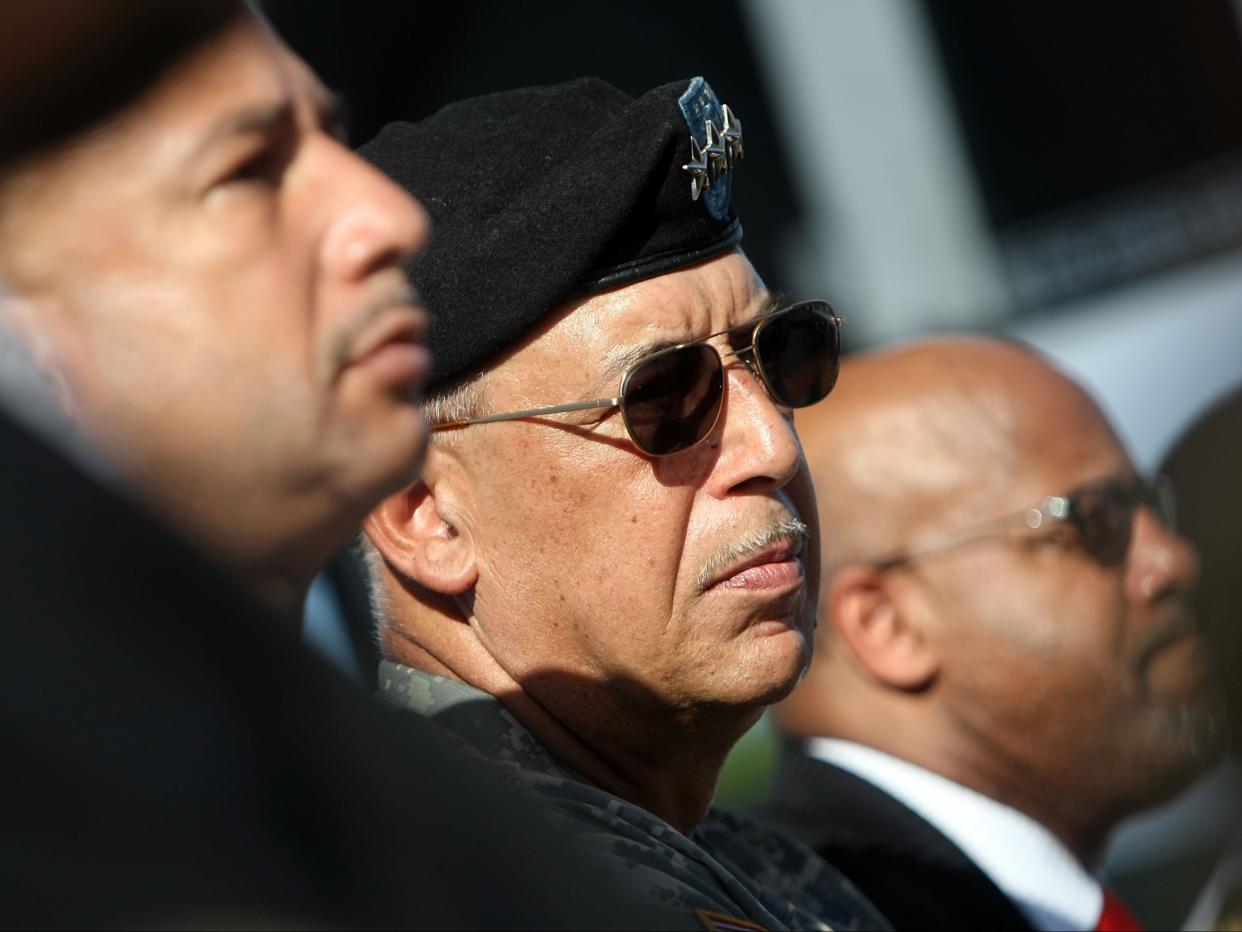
(779, 663)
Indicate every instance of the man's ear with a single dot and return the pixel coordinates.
(417, 538)
(872, 616)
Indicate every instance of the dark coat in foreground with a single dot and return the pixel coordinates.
(173, 755)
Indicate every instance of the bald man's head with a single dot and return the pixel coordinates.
(916, 437)
(1005, 651)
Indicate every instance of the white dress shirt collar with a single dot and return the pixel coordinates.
(1025, 860)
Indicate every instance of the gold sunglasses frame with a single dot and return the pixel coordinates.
(753, 363)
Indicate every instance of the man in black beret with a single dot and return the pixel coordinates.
(209, 372)
(604, 575)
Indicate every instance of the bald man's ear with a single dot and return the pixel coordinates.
(417, 534)
(867, 612)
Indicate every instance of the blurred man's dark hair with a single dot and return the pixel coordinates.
(65, 64)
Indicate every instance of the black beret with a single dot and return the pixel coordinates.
(545, 194)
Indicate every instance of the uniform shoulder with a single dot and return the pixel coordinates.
(789, 876)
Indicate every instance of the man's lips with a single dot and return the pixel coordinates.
(399, 323)
(1179, 629)
(393, 345)
(775, 567)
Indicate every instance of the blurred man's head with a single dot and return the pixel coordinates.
(1002, 602)
(212, 284)
(561, 556)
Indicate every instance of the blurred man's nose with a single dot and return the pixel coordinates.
(378, 223)
(1161, 560)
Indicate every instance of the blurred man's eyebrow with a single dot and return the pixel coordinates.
(261, 119)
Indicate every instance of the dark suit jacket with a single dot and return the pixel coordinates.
(908, 869)
(172, 754)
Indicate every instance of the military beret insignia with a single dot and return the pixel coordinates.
(715, 147)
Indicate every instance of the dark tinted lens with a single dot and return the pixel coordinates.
(671, 401)
(1103, 517)
(799, 354)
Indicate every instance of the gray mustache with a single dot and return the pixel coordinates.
(790, 531)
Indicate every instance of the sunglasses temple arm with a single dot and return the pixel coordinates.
(975, 532)
(530, 412)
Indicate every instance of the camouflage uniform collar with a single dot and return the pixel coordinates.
(476, 717)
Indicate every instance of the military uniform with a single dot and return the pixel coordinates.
(733, 873)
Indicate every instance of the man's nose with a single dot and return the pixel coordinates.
(1161, 560)
(379, 224)
(759, 450)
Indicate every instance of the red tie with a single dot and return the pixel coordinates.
(1115, 916)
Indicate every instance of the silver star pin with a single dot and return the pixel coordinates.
(732, 135)
(700, 180)
(714, 152)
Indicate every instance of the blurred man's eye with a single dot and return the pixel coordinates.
(266, 166)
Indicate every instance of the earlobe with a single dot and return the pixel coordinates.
(883, 635)
(414, 535)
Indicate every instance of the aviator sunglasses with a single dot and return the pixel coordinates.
(671, 399)
(1100, 513)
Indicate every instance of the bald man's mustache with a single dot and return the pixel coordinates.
(1176, 623)
(791, 532)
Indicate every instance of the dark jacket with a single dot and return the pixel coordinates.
(913, 874)
(173, 755)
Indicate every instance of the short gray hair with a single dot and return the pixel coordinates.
(378, 600)
(461, 399)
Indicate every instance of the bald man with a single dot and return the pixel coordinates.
(1007, 663)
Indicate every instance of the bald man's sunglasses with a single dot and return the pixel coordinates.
(1100, 513)
(670, 401)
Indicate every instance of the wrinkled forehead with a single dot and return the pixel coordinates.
(598, 338)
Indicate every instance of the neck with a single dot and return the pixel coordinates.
(667, 764)
(1077, 819)
(916, 734)
(277, 563)
(286, 597)
(669, 768)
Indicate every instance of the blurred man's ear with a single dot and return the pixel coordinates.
(416, 533)
(872, 615)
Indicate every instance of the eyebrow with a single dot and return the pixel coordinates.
(261, 119)
(619, 362)
(269, 118)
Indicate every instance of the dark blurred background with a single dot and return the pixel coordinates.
(1066, 173)
(406, 60)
